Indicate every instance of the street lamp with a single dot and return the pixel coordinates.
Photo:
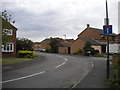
(65, 43)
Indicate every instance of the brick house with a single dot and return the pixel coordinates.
(64, 44)
(95, 36)
(65, 48)
(36, 46)
(43, 45)
(117, 39)
(9, 49)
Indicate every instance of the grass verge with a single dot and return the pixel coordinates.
(7, 61)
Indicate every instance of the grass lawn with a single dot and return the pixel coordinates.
(6, 61)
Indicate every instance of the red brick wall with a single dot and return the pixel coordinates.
(76, 45)
(12, 39)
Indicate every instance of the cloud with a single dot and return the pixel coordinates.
(38, 19)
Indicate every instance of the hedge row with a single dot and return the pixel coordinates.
(115, 79)
(26, 54)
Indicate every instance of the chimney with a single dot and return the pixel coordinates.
(88, 25)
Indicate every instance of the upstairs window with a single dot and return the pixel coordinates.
(102, 36)
(9, 47)
(113, 38)
(8, 31)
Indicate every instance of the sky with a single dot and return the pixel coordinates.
(40, 19)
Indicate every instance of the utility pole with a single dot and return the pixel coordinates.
(107, 62)
(65, 43)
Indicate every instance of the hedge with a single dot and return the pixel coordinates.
(115, 79)
(26, 54)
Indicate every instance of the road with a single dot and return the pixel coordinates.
(55, 71)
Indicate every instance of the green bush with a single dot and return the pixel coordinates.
(114, 81)
(26, 54)
(91, 50)
(79, 52)
(98, 55)
(47, 50)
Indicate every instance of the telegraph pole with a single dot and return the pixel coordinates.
(65, 43)
(107, 62)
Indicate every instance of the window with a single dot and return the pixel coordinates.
(8, 31)
(113, 38)
(9, 47)
(102, 36)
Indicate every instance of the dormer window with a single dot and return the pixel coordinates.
(8, 31)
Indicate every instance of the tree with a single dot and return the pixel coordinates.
(24, 44)
(87, 45)
(54, 44)
(6, 24)
(89, 50)
(7, 17)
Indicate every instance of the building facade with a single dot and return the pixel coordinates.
(9, 48)
(96, 37)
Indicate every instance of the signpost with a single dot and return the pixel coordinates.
(107, 30)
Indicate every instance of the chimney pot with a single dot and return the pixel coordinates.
(88, 25)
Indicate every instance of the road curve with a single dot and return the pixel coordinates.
(57, 71)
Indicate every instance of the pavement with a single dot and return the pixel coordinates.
(97, 77)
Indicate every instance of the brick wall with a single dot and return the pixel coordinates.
(99, 48)
(12, 39)
(76, 45)
(63, 50)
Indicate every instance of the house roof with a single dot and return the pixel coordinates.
(93, 41)
(100, 31)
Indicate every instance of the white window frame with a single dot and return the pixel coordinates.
(9, 47)
(10, 32)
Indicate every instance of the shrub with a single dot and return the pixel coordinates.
(91, 51)
(98, 55)
(115, 79)
(47, 50)
(26, 54)
(78, 52)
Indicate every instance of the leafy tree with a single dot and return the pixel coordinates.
(87, 45)
(54, 44)
(7, 17)
(24, 44)
(89, 50)
(6, 24)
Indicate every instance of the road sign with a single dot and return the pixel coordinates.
(107, 29)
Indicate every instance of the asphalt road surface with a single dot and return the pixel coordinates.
(54, 71)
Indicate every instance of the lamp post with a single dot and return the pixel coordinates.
(107, 62)
(65, 43)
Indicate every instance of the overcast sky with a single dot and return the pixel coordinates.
(38, 19)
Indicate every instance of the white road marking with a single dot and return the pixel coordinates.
(33, 74)
(111, 62)
(92, 64)
(60, 65)
(23, 77)
(66, 60)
